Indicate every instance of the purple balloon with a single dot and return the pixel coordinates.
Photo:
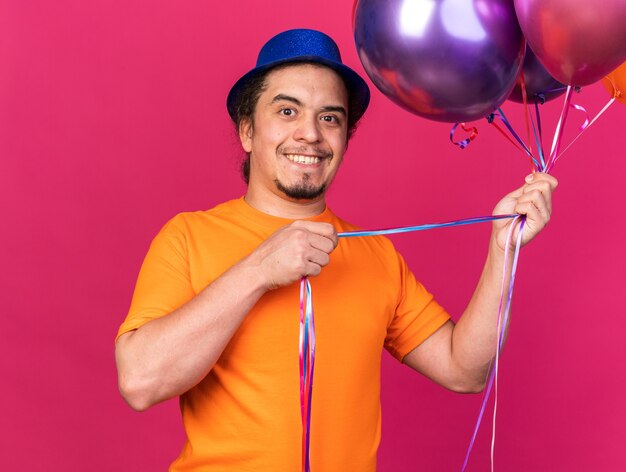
(446, 60)
(537, 80)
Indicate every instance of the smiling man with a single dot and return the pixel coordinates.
(214, 314)
(297, 134)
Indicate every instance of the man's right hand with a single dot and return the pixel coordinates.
(298, 250)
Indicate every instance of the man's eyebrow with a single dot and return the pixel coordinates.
(336, 109)
(287, 98)
(282, 97)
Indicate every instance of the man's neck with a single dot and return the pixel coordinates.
(282, 206)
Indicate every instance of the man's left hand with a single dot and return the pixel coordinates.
(534, 200)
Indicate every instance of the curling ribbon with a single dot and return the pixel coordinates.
(506, 122)
(538, 138)
(490, 120)
(307, 326)
(543, 164)
(520, 143)
(526, 115)
(558, 133)
(307, 323)
(408, 229)
(307, 366)
(501, 328)
(465, 142)
(582, 109)
(585, 127)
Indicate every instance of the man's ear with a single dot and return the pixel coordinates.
(245, 134)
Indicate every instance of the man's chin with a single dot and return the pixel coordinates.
(301, 192)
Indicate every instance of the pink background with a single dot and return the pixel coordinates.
(113, 119)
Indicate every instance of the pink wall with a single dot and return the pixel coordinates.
(112, 119)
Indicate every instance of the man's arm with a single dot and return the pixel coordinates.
(169, 355)
(459, 356)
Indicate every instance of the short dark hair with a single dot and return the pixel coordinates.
(245, 106)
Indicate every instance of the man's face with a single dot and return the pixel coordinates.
(298, 134)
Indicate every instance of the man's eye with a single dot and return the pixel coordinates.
(286, 111)
(330, 119)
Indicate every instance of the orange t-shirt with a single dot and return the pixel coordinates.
(245, 414)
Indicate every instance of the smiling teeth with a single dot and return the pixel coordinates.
(302, 159)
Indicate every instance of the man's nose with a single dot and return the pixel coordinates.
(308, 130)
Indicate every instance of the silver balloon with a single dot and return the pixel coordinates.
(446, 60)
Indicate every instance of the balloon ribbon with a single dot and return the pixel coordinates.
(307, 324)
(501, 330)
(584, 127)
(465, 142)
(307, 366)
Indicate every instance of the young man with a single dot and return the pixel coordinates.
(214, 314)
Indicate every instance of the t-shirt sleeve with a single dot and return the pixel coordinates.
(164, 282)
(417, 315)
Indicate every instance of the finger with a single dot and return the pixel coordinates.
(537, 198)
(536, 214)
(323, 229)
(317, 257)
(518, 192)
(321, 243)
(534, 218)
(327, 230)
(542, 185)
(312, 269)
(545, 189)
(301, 235)
(507, 204)
(543, 177)
(316, 261)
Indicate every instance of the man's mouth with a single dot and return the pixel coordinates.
(303, 159)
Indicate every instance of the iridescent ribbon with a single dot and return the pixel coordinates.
(548, 164)
(526, 113)
(307, 323)
(307, 367)
(543, 165)
(540, 98)
(540, 162)
(408, 229)
(586, 113)
(501, 329)
(537, 131)
(522, 146)
(585, 127)
(558, 133)
(465, 142)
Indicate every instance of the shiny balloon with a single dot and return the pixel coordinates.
(446, 60)
(577, 41)
(615, 83)
(537, 81)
